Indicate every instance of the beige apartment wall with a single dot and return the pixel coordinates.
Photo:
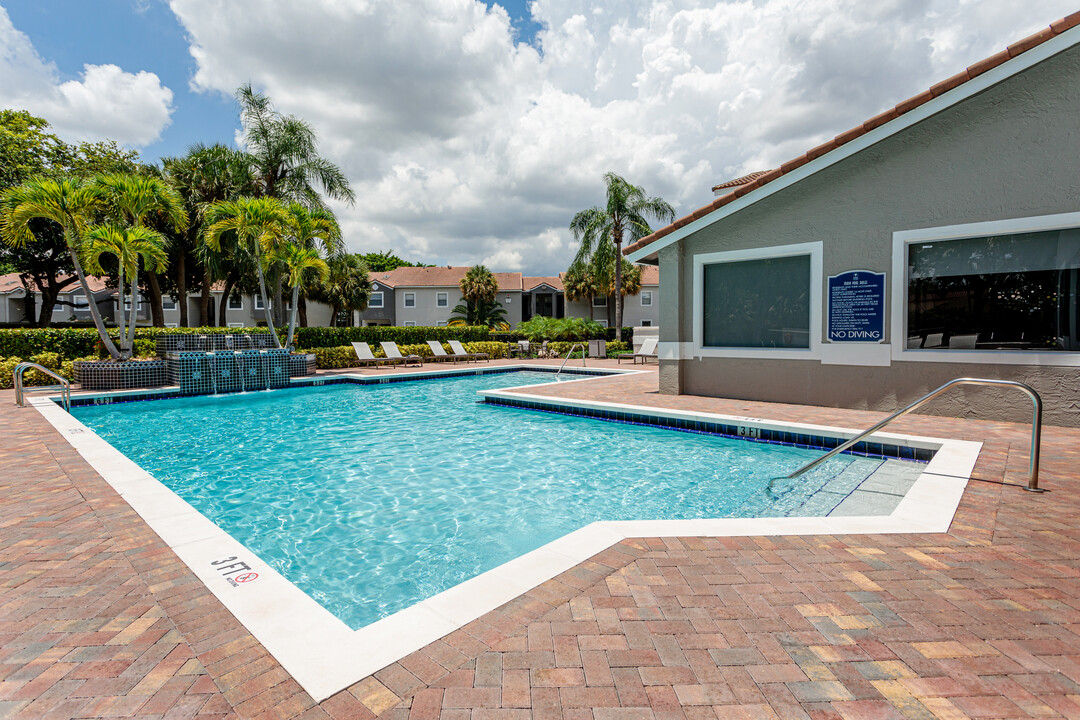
(1009, 152)
(427, 314)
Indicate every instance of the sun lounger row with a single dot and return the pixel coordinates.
(394, 356)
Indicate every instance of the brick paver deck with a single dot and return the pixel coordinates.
(98, 618)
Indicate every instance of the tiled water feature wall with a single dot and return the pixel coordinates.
(212, 364)
(203, 364)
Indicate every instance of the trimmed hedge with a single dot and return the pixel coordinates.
(323, 337)
(71, 343)
(559, 349)
(327, 358)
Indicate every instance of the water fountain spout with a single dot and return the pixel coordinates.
(237, 357)
(211, 361)
(264, 361)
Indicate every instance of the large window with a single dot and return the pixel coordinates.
(646, 298)
(995, 292)
(236, 302)
(410, 299)
(757, 303)
(376, 300)
(442, 299)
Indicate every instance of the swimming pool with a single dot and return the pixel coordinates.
(371, 498)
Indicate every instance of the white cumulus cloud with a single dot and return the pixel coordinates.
(464, 145)
(106, 102)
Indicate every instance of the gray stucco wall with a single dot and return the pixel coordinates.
(1008, 152)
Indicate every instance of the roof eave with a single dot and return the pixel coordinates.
(648, 254)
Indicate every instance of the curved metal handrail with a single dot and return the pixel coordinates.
(17, 381)
(571, 352)
(1036, 426)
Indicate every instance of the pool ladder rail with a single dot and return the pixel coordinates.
(63, 385)
(571, 352)
(1036, 426)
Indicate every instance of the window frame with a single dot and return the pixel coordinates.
(405, 299)
(817, 299)
(598, 297)
(410, 323)
(646, 322)
(444, 296)
(257, 302)
(229, 300)
(165, 297)
(79, 301)
(642, 296)
(899, 321)
(371, 300)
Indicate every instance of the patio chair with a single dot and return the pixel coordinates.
(394, 355)
(364, 354)
(461, 352)
(439, 353)
(647, 351)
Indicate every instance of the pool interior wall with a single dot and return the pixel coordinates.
(373, 498)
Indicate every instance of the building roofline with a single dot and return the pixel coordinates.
(976, 78)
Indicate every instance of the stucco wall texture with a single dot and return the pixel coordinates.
(1009, 152)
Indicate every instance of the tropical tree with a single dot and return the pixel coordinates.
(128, 245)
(260, 224)
(386, 261)
(479, 312)
(479, 284)
(203, 176)
(579, 285)
(602, 230)
(137, 199)
(303, 264)
(348, 287)
(71, 205)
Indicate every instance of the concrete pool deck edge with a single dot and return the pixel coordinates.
(324, 655)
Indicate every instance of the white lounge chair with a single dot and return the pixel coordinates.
(439, 353)
(393, 355)
(646, 352)
(461, 352)
(364, 354)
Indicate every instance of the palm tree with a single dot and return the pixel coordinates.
(479, 285)
(259, 223)
(347, 289)
(127, 244)
(307, 228)
(284, 156)
(71, 205)
(602, 230)
(302, 263)
(579, 285)
(480, 312)
(136, 199)
(204, 175)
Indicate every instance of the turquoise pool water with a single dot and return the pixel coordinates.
(373, 497)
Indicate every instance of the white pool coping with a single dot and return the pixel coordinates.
(325, 655)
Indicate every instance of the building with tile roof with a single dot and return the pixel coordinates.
(938, 239)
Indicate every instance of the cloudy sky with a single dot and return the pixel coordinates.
(472, 131)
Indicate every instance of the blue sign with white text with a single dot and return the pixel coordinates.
(857, 307)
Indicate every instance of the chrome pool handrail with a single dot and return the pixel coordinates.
(20, 391)
(571, 352)
(1036, 426)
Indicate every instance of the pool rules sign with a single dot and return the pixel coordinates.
(857, 307)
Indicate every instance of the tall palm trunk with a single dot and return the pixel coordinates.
(618, 282)
(157, 313)
(267, 306)
(204, 299)
(95, 313)
(121, 319)
(181, 286)
(133, 315)
(292, 315)
(223, 308)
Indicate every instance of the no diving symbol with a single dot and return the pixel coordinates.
(234, 570)
(246, 577)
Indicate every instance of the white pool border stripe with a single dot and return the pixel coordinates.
(325, 656)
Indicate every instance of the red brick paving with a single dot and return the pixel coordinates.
(99, 619)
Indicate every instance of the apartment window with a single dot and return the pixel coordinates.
(646, 323)
(236, 302)
(410, 300)
(602, 323)
(441, 323)
(1013, 292)
(646, 298)
(599, 301)
(757, 303)
(80, 301)
(171, 325)
(167, 303)
(259, 304)
(442, 299)
(410, 323)
(376, 300)
(235, 325)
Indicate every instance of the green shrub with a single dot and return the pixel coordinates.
(145, 347)
(50, 360)
(7, 370)
(329, 358)
(317, 337)
(71, 343)
(541, 328)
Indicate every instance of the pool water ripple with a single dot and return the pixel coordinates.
(373, 497)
